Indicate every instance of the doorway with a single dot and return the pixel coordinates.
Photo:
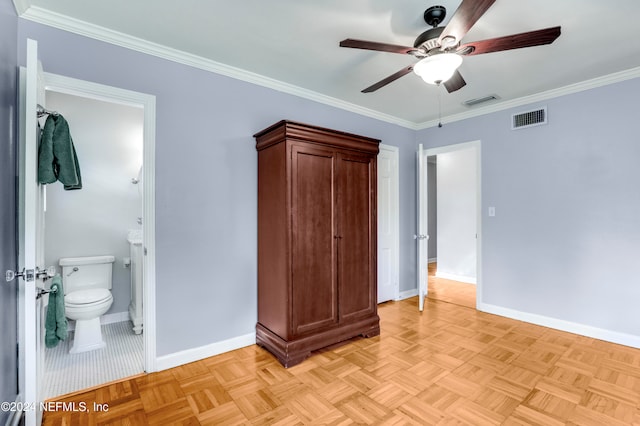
(454, 219)
(113, 134)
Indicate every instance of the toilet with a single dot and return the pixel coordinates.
(86, 282)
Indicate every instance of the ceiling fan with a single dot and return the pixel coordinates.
(439, 48)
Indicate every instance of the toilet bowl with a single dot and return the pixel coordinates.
(87, 296)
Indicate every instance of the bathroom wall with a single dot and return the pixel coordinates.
(95, 220)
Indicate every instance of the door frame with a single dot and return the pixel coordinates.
(96, 91)
(477, 146)
(395, 220)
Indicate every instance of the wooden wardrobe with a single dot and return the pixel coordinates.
(317, 281)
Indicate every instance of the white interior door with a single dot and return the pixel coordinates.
(31, 247)
(388, 224)
(422, 239)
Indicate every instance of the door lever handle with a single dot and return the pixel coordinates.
(50, 272)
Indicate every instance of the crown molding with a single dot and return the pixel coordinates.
(538, 97)
(76, 26)
(21, 6)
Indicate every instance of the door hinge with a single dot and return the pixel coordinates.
(27, 274)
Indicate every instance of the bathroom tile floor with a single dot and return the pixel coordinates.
(123, 357)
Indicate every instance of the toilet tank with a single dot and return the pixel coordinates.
(80, 273)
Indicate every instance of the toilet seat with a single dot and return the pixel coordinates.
(87, 298)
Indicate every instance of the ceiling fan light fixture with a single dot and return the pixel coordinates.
(437, 69)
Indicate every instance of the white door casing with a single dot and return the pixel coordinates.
(388, 224)
(476, 145)
(87, 89)
(422, 246)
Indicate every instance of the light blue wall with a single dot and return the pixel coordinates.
(563, 244)
(565, 241)
(8, 302)
(206, 189)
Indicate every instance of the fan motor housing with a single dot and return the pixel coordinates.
(429, 39)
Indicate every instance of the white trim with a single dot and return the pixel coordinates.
(72, 86)
(21, 6)
(477, 146)
(408, 294)
(432, 260)
(114, 317)
(568, 326)
(76, 26)
(454, 277)
(451, 148)
(537, 97)
(56, 20)
(190, 355)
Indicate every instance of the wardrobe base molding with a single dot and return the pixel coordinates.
(292, 352)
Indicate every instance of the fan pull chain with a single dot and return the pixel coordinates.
(439, 107)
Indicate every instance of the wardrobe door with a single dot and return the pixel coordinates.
(356, 231)
(314, 303)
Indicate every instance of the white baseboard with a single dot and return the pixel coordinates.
(568, 326)
(115, 317)
(190, 355)
(407, 294)
(454, 277)
(105, 319)
(432, 260)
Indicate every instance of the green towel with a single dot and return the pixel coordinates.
(55, 324)
(57, 159)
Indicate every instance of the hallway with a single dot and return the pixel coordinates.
(455, 292)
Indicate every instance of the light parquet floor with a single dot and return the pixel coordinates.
(450, 291)
(449, 365)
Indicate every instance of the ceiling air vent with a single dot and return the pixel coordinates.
(529, 119)
(476, 101)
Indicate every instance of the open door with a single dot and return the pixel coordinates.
(31, 237)
(421, 237)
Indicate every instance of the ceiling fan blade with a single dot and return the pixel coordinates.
(372, 45)
(464, 17)
(514, 41)
(385, 81)
(456, 82)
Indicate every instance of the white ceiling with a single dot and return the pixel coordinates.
(292, 45)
